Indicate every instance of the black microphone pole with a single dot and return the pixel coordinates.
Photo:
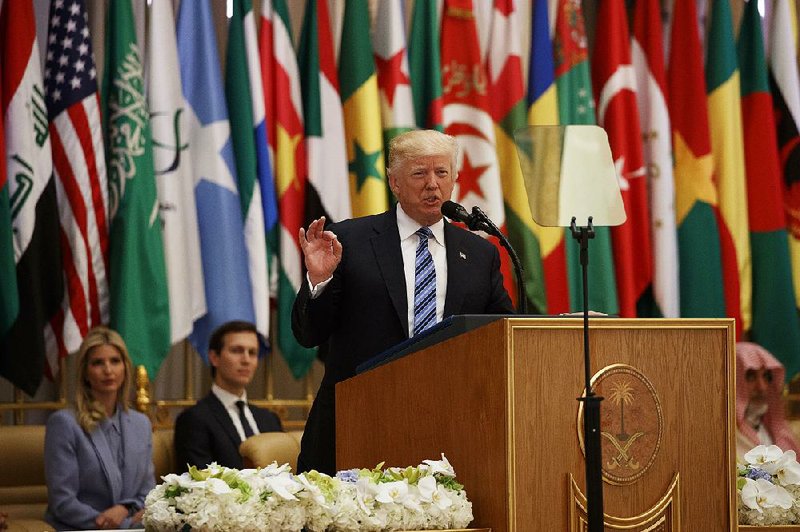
(591, 402)
(483, 222)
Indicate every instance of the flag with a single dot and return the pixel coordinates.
(391, 60)
(576, 106)
(219, 214)
(32, 196)
(328, 177)
(507, 107)
(725, 121)
(9, 296)
(614, 85)
(362, 114)
(246, 107)
(284, 111)
(266, 170)
(81, 186)
(773, 291)
(271, 219)
(696, 199)
(424, 66)
(647, 53)
(174, 174)
(466, 117)
(137, 273)
(784, 83)
(551, 289)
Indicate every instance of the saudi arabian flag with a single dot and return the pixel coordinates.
(138, 277)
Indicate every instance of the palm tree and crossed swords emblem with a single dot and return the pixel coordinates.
(622, 395)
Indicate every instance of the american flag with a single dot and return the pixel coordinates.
(73, 108)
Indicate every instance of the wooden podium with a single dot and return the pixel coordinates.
(500, 402)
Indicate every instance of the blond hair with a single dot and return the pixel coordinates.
(421, 143)
(89, 411)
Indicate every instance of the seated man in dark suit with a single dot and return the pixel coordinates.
(375, 281)
(213, 429)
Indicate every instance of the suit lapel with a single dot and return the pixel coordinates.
(386, 245)
(457, 262)
(222, 417)
(107, 462)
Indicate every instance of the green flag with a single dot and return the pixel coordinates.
(137, 275)
(242, 110)
(575, 106)
(773, 289)
(424, 66)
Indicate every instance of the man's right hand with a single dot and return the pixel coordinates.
(322, 251)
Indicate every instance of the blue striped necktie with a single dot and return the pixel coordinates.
(424, 283)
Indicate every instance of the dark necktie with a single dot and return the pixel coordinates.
(248, 430)
(424, 283)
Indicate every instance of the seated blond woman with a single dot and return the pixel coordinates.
(98, 454)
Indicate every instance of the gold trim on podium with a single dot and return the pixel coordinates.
(664, 516)
(510, 427)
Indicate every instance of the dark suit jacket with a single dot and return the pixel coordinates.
(364, 310)
(83, 478)
(205, 433)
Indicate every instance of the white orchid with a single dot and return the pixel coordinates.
(392, 492)
(217, 486)
(440, 466)
(785, 468)
(759, 494)
(427, 487)
(763, 454)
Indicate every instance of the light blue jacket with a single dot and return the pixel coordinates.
(83, 478)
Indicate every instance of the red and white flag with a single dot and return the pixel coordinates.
(648, 63)
(614, 84)
(391, 62)
(465, 85)
(79, 163)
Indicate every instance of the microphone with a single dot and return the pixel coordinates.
(477, 221)
(456, 212)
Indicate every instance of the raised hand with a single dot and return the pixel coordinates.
(321, 249)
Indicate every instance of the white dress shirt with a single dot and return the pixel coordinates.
(228, 400)
(408, 245)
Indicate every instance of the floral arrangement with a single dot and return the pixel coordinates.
(768, 487)
(425, 497)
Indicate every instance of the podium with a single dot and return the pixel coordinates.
(499, 402)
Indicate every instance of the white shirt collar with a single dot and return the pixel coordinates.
(407, 226)
(227, 399)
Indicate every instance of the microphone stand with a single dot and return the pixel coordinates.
(591, 402)
(479, 221)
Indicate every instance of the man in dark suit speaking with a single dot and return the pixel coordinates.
(377, 280)
(213, 429)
